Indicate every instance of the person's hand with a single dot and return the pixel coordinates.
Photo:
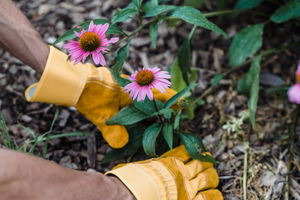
(173, 176)
(91, 90)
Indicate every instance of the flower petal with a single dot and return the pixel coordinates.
(91, 26)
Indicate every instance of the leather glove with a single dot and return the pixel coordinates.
(91, 90)
(174, 176)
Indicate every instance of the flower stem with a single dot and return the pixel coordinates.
(159, 116)
(291, 154)
(263, 54)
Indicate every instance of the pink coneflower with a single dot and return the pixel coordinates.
(146, 79)
(294, 91)
(91, 42)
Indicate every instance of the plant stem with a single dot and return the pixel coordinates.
(246, 144)
(211, 14)
(132, 34)
(263, 54)
(159, 116)
(291, 154)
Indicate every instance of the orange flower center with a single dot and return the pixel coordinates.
(298, 78)
(89, 41)
(144, 78)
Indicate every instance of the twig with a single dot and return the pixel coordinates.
(246, 144)
(291, 155)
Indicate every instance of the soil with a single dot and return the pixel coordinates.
(268, 144)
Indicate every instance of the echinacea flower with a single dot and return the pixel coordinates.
(145, 80)
(294, 91)
(91, 42)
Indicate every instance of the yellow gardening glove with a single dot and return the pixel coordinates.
(174, 176)
(91, 90)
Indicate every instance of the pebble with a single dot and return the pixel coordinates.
(64, 116)
(13, 69)
(26, 118)
(7, 115)
(44, 9)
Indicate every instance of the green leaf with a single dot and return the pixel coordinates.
(120, 80)
(146, 106)
(158, 10)
(184, 60)
(168, 134)
(161, 18)
(113, 29)
(216, 79)
(120, 58)
(252, 103)
(128, 115)
(290, 10)
(177, 81)
(153, 33)
(124, 15)
(244, 85)
(164, 111)
(245, 43)
(177, 119)
(174, 98)
(136, 2)
(194, 16)
(134, 143)
(246, 4)
(168, 115)
(149, 139)
(281, 91)
(192, 144)
(154, 3)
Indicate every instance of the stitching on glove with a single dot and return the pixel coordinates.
(80, 87)
(101, 83)
(149, 177)
(170, 173)
(168, 187)
(204, 197)
(182, 180)
(206, 180)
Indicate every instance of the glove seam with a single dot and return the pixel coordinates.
(149, 177)
(105, 85)
(80, 87)
(168, 187)
(183, 179)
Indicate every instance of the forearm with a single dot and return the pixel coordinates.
(28, 178)
(18, 36)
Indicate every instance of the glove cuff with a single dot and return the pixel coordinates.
(137, 181)
(61, 82)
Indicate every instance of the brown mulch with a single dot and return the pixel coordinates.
(268, 150)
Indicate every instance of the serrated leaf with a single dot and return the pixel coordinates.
(120, 80)
(174, 98)
(112, 29)
(146, 106)
(246, 4)
(252, 103)
(158, 10)
(290, 10)
(245, 43)
(149, 139)
(194, 16)
(127, 116)
(164, 111)
(153, 33)
(216, 79)
(191, 144)
(120, 58)
(168, 135)
(134, 143)
(124, 15)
